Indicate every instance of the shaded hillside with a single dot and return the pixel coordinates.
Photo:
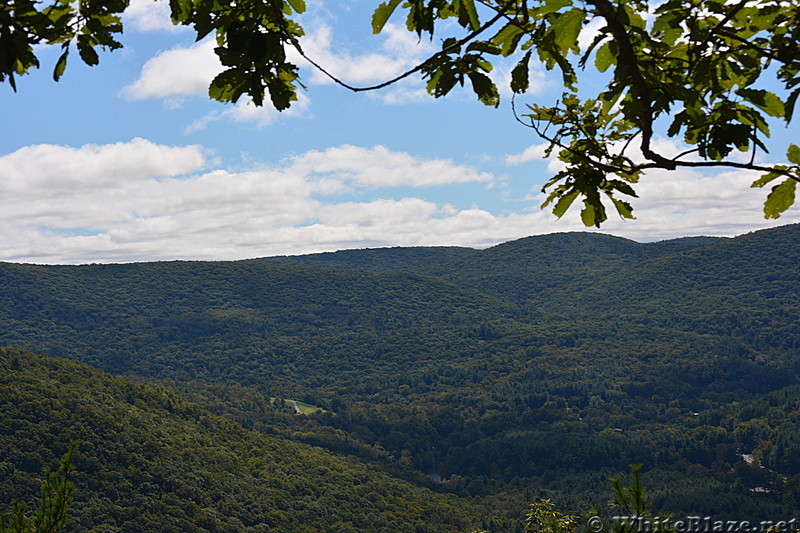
(408, 259)
(148, 461)
(531, 269)
(170, 319)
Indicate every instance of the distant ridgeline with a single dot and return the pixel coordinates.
(454, 384)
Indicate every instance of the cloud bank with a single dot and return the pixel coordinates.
(139, 200)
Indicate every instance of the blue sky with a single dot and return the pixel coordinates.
(130, 161)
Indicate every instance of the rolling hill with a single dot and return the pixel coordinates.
(538, 367)
(149, 461)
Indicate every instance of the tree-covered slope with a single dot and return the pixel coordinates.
(149, 461)
(503, 371)
(170, 319)
(397, 259)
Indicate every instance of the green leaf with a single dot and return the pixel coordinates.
(605, 57)
(564, 203)
(89, 55)
(790, 103)
(227, 86)
(520, 78)
(61, 65)
(593, 212)
(467, 13)
(508, 38)
(624, 209)
(484, 46)
(87, 51)
(588, 216)
(766, 178)
(567, 27)
(181, 11)
(551, 6)
(382, 14)
(442, 81)
(793, 154)
(764, 100)
(485, 88)
(622, 187)
(299, 6)
(780, 199)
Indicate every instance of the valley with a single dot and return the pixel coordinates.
(471, 382)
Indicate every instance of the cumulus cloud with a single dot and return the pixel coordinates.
(685, 203)
(676, 203)
(140, 200)
(57, 169)
(185, 71)
(143, 201)
(590, 32)
(245, 111)
(180, 71)
(531, 153)
(380, 167)
(395, 52)
(402, 94)
(398, 51)
(150, 15)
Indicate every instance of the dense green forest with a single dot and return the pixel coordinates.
(536, 368)
(149, 461)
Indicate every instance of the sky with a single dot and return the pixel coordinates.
(131, 161)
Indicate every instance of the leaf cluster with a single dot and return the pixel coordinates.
(25, 24)
(700, 67)
(252, 37)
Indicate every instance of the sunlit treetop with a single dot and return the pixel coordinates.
(711, 74)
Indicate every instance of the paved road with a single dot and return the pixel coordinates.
(296, 408)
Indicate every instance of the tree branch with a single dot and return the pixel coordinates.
(627, 59)
(404, 75)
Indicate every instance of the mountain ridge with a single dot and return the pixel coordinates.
(445, 360)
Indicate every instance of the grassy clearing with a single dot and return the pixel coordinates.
(301, 408)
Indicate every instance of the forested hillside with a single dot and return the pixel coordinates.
(535, 368)
(149, 461)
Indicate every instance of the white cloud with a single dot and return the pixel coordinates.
(137, 200)
(392, 53)
(399, 214)
(402, 94)
(180, 71)
(380, 167)
(245, 111)
(150, 15)
(674, 203)
(183, 72)
(188, 70)
(531, 153)
(590, 32)
(398, 51)
(57, 169)
(143, 201)
(684, 203)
